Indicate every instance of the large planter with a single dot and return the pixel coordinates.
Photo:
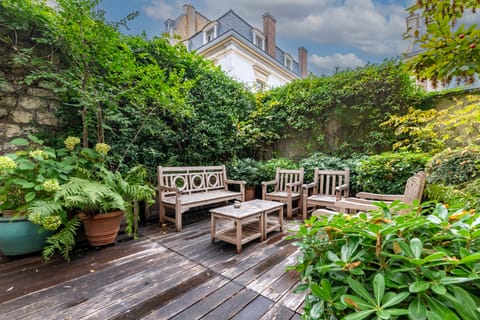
(102, 229)
(19, 236)
(249, 193)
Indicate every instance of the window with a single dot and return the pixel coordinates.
(288, 61)
(258, 39)
(209, 33)
(260, 85)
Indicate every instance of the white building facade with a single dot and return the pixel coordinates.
(245, 53)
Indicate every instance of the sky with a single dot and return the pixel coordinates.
(338, 34)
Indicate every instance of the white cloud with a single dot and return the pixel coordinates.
(369, 26)
(161, 10)
(333, 63)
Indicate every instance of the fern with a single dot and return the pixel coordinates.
(62, 241)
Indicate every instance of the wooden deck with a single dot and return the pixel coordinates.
(163, 275)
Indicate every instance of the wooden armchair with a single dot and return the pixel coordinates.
(322, 191)
(363, 201)
(287, 189)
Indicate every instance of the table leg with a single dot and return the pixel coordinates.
(280, 218)
(238, 223)
(213, 227)
(263, 225)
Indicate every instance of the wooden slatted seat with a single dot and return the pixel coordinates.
(287, 189)
(322, 191)
(183, 188)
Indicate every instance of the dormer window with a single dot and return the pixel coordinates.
(258, 39)
(288, 61)
(210, 32)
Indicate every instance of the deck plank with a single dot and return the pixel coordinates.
(163, 275)
(177, 305)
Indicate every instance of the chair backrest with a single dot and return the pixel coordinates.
(414, 188)
(327, 180)
(284, 176)
(193, 179)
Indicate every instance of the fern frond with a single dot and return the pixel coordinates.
(62, 241)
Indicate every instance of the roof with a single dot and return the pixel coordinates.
(231, 23)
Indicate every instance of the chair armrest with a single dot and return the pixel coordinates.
(268, 183)
(308, 185)
(341, 190)
(290, 185)
(378, 196)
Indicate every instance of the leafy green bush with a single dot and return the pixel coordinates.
(468, 196)
(247, 169)
(454, 167)
(424, 265)
(389, 171)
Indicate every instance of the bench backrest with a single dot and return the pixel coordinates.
(285, 176)
(414, 188)
(327, 180)
(193, 179)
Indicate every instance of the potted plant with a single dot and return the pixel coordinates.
(95, 195)
(248, 170)
(30, 174)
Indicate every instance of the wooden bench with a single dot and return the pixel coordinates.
(182, 188)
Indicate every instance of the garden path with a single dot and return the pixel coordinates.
(163, 275)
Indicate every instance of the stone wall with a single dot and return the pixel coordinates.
(23, 108)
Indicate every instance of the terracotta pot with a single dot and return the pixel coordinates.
(249, 193)
(102, 229)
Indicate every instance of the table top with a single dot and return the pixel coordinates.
(247, 208)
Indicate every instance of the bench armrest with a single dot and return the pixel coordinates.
(378, 196)
(239, 182)
(167, 188)
(162, 189)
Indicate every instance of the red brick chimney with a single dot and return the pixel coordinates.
(302, 61)
(269, 32)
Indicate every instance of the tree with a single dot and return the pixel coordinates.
(450, 48)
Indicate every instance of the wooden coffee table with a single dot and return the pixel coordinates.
(251, 221)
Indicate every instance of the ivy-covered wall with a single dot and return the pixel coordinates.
(23, 107)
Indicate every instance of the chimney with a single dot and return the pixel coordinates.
(269, 32)
(302, 61)
(189, 12)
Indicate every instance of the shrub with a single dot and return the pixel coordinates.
(246, 169)
(389, 171)
(387, 266)
(454, 167)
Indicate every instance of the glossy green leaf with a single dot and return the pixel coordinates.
(439, 289)
(419, 286)
(360, 290)
(378, 288)
(417, 309)
(416, 246)
(359, 315)
(396, 299)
